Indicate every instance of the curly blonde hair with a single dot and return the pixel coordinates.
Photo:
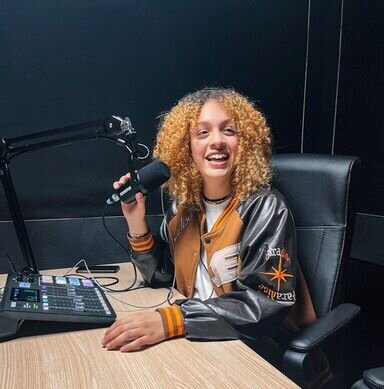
(252, 163)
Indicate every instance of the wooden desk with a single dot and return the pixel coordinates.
(76, 359)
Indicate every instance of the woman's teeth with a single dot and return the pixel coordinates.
(217, 157)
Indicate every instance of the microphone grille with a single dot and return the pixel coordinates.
(153, 175)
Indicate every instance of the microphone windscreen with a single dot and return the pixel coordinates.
(153, 175)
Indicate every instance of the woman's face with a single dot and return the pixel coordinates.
(214, 145)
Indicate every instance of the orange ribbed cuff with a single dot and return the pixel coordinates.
(142, 245)
(173, 321)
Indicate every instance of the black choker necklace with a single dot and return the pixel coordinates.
(216, 201)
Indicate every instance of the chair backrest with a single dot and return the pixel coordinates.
(317, 189)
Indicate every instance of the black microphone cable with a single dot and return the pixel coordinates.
(129, 252)
(170, 293)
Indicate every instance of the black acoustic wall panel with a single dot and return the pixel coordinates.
(360, 120)
(321, 85)
(67, 62)
(360, 131)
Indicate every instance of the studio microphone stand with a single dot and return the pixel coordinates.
(115, 129)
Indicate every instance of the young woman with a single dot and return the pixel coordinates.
(229, 238)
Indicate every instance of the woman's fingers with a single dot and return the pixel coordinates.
(140, 199)
(134, 331)
(115, 325)
(120, 338)
(121, 181)
(125, 324)
(135, 345)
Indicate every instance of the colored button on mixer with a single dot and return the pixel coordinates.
(61, 280)
(87, 283)
(46, 279)
(74, 281)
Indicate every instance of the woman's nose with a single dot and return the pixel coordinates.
(216, 139)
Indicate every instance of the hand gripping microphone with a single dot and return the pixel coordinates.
(148, 178)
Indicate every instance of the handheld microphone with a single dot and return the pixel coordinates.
(148, 178)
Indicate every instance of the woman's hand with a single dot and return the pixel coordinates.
(134, 331)
(134, 212)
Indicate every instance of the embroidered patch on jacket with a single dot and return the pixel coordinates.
(273, 295)
(224, 264)
(278, 252)
(278, 275)
(182, 225)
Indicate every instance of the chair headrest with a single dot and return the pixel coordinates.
(316, 186)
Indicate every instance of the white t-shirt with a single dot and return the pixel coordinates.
(203, 283)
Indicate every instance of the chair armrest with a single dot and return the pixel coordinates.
(373, 378)
(323, 328)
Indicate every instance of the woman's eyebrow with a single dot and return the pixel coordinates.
(226, 121)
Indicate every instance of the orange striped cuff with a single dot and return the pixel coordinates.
(173, 321)
(142, 245)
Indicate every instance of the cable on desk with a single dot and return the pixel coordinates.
(125, 249)
(131, 287)
(115, 280)
(139, 306)
(105, 288)
(167, 299)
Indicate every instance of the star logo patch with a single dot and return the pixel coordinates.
(278, 274)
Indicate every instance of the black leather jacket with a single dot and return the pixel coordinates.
(260, 232)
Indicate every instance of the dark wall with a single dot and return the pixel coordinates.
(314, 67)
(360, 121)
(344, 92)
(359, 125)
(360, 131)
(67, 62)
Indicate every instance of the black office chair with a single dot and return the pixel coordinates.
(372, 379)
(317, 189)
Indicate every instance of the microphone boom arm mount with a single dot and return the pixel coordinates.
(114, 129)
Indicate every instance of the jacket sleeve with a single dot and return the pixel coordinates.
(265, 288)
(152, 258)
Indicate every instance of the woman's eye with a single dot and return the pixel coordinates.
(202, 133)
(229, 130)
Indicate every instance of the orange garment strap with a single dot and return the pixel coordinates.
(142, 245)
(173, 321)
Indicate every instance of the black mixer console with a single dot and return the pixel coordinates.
(52, 298)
